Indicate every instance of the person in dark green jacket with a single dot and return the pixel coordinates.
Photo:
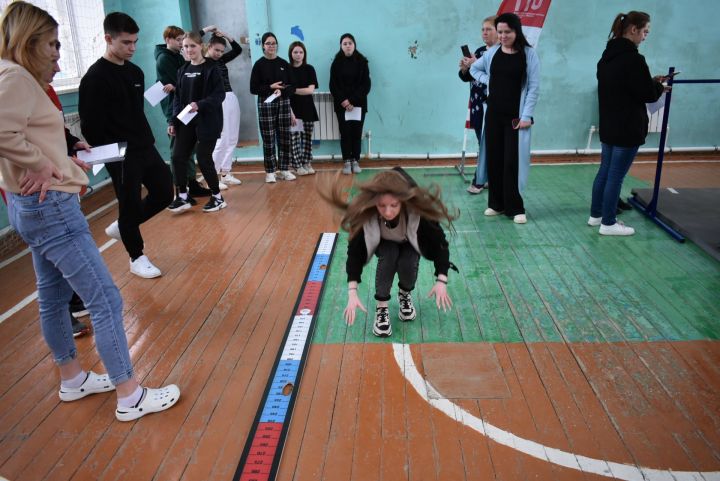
(168, 60)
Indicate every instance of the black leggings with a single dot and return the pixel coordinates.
(185, 140)
(393, 258)
(350, 135)
(501, 148)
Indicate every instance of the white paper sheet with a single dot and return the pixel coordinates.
(298, 127)
(185, 116)
(657, 105)
(271, 98)
(155, 93)
(97, 168)
(354, 114)
(101, 154)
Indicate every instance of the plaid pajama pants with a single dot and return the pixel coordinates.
(274, 121)
(302, 145)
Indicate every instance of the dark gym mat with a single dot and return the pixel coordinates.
(695, 213)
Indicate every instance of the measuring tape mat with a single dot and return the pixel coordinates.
(263, 448)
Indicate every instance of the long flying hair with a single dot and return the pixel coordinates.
(624, 21)
(425, 202)
(22, 29)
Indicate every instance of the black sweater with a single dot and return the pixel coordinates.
(624, 87)
(266, 72)
(111, 105)
(209, 98)
(350, 79)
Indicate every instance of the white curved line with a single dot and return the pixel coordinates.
(405, 362)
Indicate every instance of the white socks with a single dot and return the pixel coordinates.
(131, 400)
(75, 382)
(183, 195)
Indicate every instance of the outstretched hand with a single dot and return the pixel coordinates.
(353, 303)
(442, 299)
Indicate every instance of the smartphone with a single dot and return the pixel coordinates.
(515, 123)
(465, 51)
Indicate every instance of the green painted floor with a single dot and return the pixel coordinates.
(553, 279)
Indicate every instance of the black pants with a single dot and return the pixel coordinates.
(501, 149)
(393, 258)
(140, 168)
(350, 135)
(185, 141)
(191, 173)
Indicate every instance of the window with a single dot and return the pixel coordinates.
(80, 34)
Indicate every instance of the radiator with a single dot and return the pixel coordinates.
(327, 127)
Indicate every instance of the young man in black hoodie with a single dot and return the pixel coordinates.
(111, 110)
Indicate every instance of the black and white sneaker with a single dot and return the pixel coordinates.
(407, 309)
(179, 204)
(214, 204)
(382, 327)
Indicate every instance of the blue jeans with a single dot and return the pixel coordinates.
(66, 258)
(614, 165)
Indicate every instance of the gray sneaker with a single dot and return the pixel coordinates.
(356, 167)
(347, 168)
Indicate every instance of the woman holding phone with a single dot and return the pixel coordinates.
(624, 87)
(511, 71)
(270, 80)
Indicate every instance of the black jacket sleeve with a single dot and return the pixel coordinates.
(362, 87)
(356, 257)
(337, 89)
(235, 50)
(257, 85)
(433, 245)
(642, 85)
(71, 140)
(215, 91)
(92, 108)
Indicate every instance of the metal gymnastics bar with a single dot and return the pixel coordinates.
(650, 210)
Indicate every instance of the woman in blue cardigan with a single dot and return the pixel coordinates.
(511, 71)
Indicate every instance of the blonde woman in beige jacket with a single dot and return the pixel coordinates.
(42, 184)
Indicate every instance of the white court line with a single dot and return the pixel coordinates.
(629, 472)
(25, 302)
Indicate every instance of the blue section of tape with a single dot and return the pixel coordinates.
(316, 273)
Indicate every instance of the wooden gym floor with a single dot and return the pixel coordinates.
(566, 355)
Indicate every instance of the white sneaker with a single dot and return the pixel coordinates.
(520, 219)
(347, 168)
(144, 268)
(222, 185)
(490, 212)
(474, 189)
(270, 178)
(309, 169)
(152, 401)
(285, 175)
(594, 221)
(113, 231)
(618, 228)
(229, 179)
(356, 167)
(302, 171)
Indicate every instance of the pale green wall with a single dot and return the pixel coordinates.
(418, 105)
